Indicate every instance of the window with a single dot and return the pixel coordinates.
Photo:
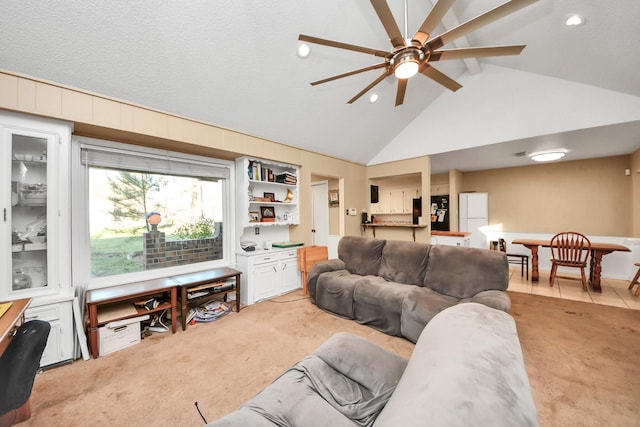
(151, 213)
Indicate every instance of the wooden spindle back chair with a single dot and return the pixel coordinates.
(569, 249)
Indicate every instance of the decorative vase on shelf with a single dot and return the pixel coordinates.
(289, 197)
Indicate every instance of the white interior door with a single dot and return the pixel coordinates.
(320, 213)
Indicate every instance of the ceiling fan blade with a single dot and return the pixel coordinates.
(441, 78)
(478, 22)
(350, 73)
(388, 22)
(475, 52)
(340, 45)
(402, 88)
(432, 20)
(366, 89)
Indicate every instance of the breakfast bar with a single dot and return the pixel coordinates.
(373, 225)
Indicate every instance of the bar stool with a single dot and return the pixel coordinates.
(635, 280)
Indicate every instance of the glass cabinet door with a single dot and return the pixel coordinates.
(28, 215)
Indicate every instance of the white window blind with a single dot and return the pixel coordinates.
(166, 163)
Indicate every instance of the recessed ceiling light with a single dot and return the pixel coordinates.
(373, 98)
(574, 20)
(548, 156)
(304, 50)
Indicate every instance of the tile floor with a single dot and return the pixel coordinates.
(614, 292)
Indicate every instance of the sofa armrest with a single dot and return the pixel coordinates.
(466, 369)
(494, 299)
(317, 270)
(362, 361)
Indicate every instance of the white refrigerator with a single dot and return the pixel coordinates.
(474, 217)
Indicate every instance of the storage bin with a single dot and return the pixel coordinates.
(117, 338)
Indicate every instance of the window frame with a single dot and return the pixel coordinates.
(80, 239)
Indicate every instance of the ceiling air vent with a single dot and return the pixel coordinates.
(520, 154)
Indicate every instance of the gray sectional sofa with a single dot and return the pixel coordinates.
(466, 369)
(397, 287)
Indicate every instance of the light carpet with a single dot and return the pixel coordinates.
(582, 360)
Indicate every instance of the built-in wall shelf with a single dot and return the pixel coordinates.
(267, 193)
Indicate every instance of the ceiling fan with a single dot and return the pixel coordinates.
(416, 55)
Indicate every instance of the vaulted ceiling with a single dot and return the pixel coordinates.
(233, 63)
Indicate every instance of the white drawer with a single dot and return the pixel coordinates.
(263, 259)
(46, 313)
(289, 255)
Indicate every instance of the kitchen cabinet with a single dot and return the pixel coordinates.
(395, 201)
(268, 273)
(408, 195)
(35, 253)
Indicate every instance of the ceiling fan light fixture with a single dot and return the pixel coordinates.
(373, 98)
(547, 156)
(406, 64)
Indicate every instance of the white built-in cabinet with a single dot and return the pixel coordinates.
(35, 253)
(265, 186)
(268, 273)
(395, 201)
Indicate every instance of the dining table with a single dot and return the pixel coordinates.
(597, 250)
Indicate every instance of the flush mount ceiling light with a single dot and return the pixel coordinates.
(373, 98)
(303, 50)
(547, 156)
(574, 20)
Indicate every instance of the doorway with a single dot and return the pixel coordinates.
(320, 213)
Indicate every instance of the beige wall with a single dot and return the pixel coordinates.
(103, 117)
(455, 185)
(591, 196)
(350, 178)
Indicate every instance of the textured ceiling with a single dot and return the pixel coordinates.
(234, 64)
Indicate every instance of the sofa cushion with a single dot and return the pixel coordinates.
(378, 304)
(317, 270)
(404, 262)
(334, 292)
(419, 306)
(291, 400)
(356, 358)
(361, 255)
(466, 369)
(494, 299)
(463, 272)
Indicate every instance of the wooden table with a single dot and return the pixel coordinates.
(9, 320)
(130, 292)
(598, 250)
(206, 280)
(308, 256)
